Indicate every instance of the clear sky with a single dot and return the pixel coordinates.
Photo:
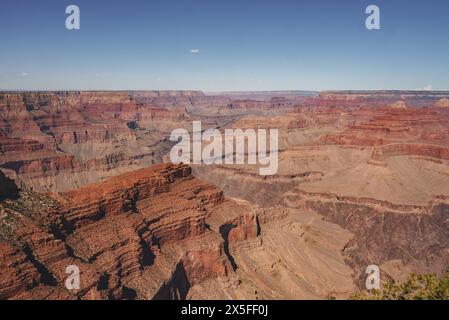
(221, 45)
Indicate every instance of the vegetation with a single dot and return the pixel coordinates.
(417, 287)
(28, 205)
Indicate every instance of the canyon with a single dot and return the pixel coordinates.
(86, 180)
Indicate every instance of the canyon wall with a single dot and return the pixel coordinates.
(362, 179)
(140, 235)
(61, 140)
(399, 239)
(160, 233)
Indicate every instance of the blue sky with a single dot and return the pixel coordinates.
(237, 45)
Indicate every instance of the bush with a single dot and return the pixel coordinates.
(417, 287)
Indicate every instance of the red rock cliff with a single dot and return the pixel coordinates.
(144, 234)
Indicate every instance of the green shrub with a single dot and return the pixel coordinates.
(417, 287)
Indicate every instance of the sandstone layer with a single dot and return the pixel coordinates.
(159, 233)
(363, 179)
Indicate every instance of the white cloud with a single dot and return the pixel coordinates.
(194, 51)
(24, 74)
(426, 88)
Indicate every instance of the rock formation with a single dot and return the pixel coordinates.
(151, 234)
(442, 103)
(363, 179)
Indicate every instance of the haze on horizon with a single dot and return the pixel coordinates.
(224, 45)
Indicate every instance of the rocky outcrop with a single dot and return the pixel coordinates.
(357, 184)
(384, 232)
(442, 103)
(390, 126)
(121, 233)
(8, 187)
(401, 105)
(58, 141)
(156, 233)
(380, 98)
(424, 150)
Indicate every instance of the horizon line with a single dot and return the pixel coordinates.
(223, 91)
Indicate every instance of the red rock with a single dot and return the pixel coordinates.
(118, 231)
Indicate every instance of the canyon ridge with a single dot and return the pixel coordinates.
(86, 180)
